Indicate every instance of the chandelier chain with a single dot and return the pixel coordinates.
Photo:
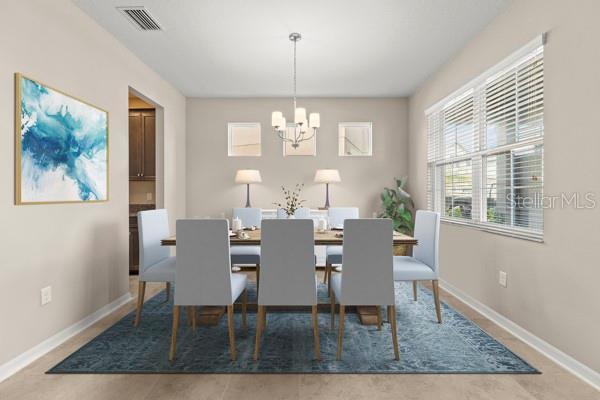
(295, 42)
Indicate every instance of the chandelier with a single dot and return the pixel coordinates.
(299, 130)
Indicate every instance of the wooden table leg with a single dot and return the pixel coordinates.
(368, 315)
(210, 315)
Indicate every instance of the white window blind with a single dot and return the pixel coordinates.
(485, 148)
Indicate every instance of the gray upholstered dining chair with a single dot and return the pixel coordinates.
(424, 263)
(301, 213)
(203, 274)
(333, 254)
(288, 272)
(367, 277)
(156, 262)
(250, 217)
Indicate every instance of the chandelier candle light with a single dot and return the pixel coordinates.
(301, 125)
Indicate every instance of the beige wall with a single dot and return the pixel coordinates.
(210, 172)
(81, 250)
(552, 287)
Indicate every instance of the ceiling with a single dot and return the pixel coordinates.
(349, 48)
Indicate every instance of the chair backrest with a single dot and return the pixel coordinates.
(203, 266)
(368, 266)
(250, 216)
(153, 226)
(427, 233)
(337, 215)
(287, 263)
(301, 213)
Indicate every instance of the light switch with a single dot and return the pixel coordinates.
(502, 278)
(46, 295)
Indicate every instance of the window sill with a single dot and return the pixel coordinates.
(514, 233)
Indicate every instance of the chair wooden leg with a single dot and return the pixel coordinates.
(436, 297)
(168, 292)
(378, 318)
(244, 309)
(140, 302)
(332, 312)
(392, 318)
(231, 330)
(329, 271)
(326, 271)
(188, 312)
(415, 290)
(257, 278)
(341, 332)
(315, 321)
(194, 312)
(259, 328)
(174, 332)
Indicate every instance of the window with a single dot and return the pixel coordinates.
(486, 148)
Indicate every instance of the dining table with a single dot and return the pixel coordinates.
(329, 237)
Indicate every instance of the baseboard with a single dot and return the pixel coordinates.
(564, 360)
(21, 361)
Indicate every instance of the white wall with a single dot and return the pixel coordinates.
(552, 287)
(81, 250)
(210, 172)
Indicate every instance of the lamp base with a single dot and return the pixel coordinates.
(248, 196)
(326, 206)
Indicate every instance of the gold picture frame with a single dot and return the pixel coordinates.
(19, 77)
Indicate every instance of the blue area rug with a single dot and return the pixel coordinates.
(456, 346)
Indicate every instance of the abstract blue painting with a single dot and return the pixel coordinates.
(61, 146)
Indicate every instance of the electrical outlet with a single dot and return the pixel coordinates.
(46, 295)
(502, 278)
(149, 196)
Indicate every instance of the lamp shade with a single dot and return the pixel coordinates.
(314, 120)
(327, 176)
(300, 115)
(276, 118)
(282, 125)
(247, 176)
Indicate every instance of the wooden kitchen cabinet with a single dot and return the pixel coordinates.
(134, 250)
(142, 145)
(134, 237)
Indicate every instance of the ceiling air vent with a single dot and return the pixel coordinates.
(141, 18)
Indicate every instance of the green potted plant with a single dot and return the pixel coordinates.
(397, 204)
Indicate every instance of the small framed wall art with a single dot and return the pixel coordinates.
(355, 139)
(244, 139)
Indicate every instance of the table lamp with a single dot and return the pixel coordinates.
(327, 176)
(248, 176)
